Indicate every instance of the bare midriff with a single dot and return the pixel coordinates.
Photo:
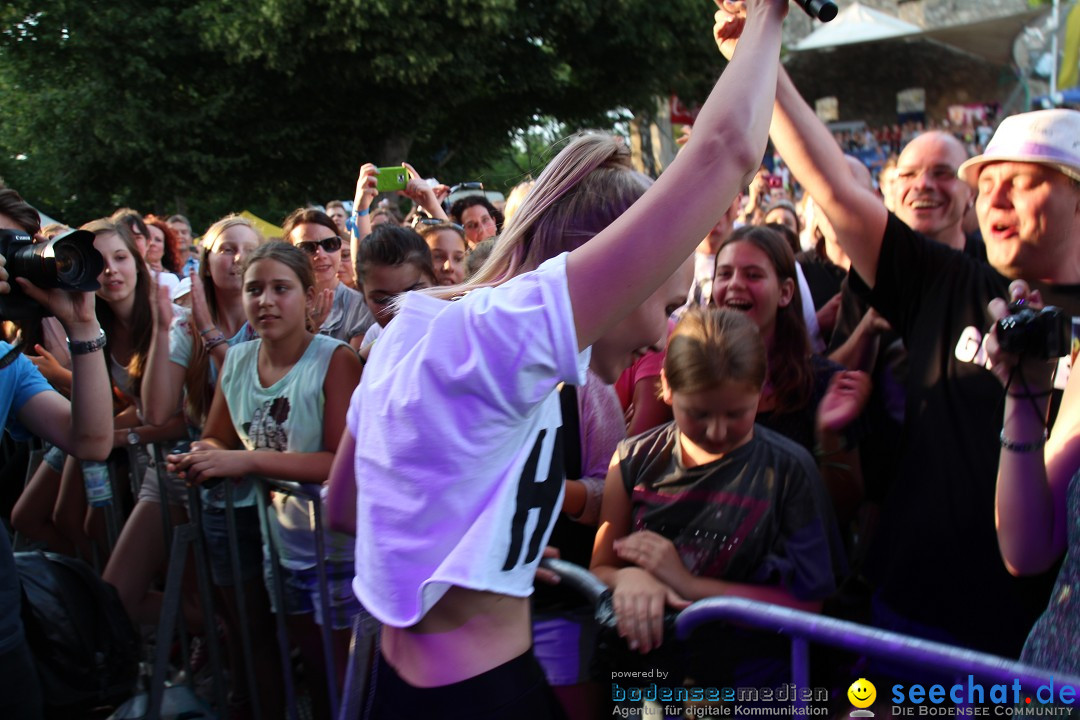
(466, 633)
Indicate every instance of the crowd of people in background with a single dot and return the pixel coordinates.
(781, 381)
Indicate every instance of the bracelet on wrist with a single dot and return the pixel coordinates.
(1022, 447)
(214, 342)
(361, 213)
(209, 330)
(85, 347)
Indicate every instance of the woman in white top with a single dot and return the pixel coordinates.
(162, 253)
(453, 434)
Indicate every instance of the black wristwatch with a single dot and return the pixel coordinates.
(85, 347)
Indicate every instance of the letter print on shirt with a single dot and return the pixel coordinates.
(532, 494)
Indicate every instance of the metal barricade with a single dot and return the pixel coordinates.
(179, 541)
(310, 493)
(805, 627)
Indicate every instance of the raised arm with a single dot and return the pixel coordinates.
(83, 426)
(818, 163)
(644, 246)
(1030, 504)
(163, 381)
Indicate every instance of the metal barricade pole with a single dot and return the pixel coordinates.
(238, 588)
(206, 596)
(278, 588)
(800, 667)
(167, 531)
(805, 627)
(357, 670)
(324, 602)
(864, 640)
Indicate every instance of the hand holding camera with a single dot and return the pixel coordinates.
(51, 277)
(1026, 340)
(366, 187)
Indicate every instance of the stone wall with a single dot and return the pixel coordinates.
(865, 78)
(924, 13)
(886, 68)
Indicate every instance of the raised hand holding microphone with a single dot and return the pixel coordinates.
(823, 10)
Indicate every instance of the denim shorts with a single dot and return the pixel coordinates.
(302, 593)
(157, 478)
(248, 540)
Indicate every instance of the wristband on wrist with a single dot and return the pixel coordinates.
(85, 347)
(361, 213)
(208, 330)
(1022, 447)
(214, 342)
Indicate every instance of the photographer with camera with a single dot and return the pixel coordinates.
(937, 521)
(1037, 475)
(30, 406)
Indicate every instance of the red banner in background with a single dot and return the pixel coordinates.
(681, 114)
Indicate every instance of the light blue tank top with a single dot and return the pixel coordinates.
(284, 417)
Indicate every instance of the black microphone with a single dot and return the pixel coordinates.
(823, 10)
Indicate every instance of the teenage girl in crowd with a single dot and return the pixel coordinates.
(186, 353)
(390, 260)
(279, 411)
(53, 507)
(448, 249)
(755, 274)
(453, 435)
(339, 310)
(712, 504)
(1038, 491)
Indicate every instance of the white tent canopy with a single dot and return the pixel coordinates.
(990, 39)
(857, 24)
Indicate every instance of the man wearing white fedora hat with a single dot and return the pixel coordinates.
(935, 558)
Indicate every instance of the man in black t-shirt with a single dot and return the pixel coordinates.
(936, 560)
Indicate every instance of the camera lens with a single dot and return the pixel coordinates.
(70, 264)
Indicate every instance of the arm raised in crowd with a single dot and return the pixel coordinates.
(817, 162)
(1033, 479)
(651, 239)
(83, 426)
(163, 381)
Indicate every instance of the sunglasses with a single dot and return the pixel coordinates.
(423, 222)
(329, 245)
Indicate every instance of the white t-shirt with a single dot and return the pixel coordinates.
(455, 425)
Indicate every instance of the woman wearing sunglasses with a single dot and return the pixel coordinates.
(339, 311)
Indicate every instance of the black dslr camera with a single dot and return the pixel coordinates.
(1044, 334)
(69, 262)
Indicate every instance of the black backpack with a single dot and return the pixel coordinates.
(85, 646)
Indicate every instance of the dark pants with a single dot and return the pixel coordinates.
(516, 689)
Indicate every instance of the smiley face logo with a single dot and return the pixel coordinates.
(862, 693)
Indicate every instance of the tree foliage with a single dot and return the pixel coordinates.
(208, 107)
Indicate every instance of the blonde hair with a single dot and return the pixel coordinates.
(197, 376)
(711, 346)
(582, 191)
(515, 198)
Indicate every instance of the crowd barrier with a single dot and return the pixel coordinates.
(186, 540)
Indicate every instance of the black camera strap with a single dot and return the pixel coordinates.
(11, 355)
